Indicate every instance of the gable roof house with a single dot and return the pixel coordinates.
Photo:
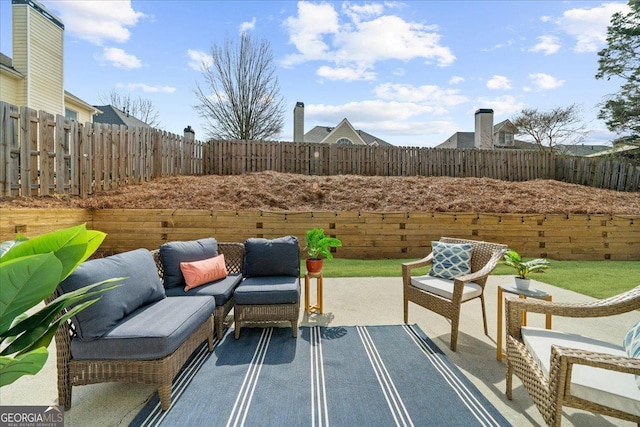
(343, 133)
(34, 77)
(486, 135)
(112, 115)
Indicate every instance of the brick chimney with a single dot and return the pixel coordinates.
(483, 135)
(298, 122)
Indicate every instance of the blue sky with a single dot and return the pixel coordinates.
(411, 73)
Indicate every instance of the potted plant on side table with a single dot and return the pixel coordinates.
(523, 268)
(318, 246)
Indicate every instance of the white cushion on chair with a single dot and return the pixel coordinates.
(614, 389)
(444, 287)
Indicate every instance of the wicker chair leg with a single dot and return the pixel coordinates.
(219, 327)
(454, 333)
(164, 392)
(294, 327)
(509, 387)
(484, 314)
(406, 310)
(64, 391)
(237, 329)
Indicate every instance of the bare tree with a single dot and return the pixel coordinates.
(140, 108)
(553, 130)
(241, 99)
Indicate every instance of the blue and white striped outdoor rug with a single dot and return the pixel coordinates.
(328, 376)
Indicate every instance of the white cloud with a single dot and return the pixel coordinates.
(119, 58)
(306, 31)
(199, 59)
(146, 88)
(360, 37)
(456, 80)
(97, 21)
(431, 98)
(545, 81)
(545, 18)
(345, 73)
(499, 83)
(248, 26)
(547, 45)
(505, 105)
(358, 12)
(589, 25)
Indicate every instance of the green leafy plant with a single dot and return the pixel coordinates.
(30, 271)
(523, 268)
(318, 245)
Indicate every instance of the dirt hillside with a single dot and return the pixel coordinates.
(292, 192)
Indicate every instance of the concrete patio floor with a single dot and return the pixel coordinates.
(362, 301)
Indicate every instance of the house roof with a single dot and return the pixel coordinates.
(320, 133)
(71, 97)
(112, 115)
(6, 64)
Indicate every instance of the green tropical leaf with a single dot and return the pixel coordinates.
(12, 368)
(18, 293)
(71, 246)
(39, 326)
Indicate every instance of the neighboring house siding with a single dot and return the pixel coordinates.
(20, 37)
(45, 76)
(84, 114)
(344, 132)
(10, 89)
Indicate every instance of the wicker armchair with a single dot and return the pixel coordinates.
(234, 258)
(550, 392)
(484, 259)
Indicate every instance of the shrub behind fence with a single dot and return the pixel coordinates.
(42, 155)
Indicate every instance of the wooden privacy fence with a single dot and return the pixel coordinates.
(365, 235)
(42, 155)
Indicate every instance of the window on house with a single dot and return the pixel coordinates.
(71, 114)
(344, 141)
(505, 139)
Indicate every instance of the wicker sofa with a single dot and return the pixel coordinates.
(133, 333)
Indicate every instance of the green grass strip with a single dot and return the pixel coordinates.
(598, 279)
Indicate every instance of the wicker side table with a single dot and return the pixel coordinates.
(529, 293)
(318, 306)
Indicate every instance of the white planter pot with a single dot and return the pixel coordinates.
(522, 284)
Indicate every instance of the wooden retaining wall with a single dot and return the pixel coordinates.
(365, 235)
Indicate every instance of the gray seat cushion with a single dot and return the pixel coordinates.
(268, 290)
(141, 286)
(275, 257)
(151, 332)
(173, 253)
(221, 289)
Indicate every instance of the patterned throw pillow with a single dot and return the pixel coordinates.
(450, 260)
(631, 344)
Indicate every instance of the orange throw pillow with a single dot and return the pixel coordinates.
(200, 272)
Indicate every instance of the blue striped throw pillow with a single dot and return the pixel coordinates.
(631, 344)
(450, 260)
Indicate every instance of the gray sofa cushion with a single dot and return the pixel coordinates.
(151, 332)
(276, 257)
(173, 253)
(221, 289)
(141, 286)
(268, 290)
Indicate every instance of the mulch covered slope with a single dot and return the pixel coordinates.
(292, 192)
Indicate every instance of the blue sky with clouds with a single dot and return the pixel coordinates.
(411, 73)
